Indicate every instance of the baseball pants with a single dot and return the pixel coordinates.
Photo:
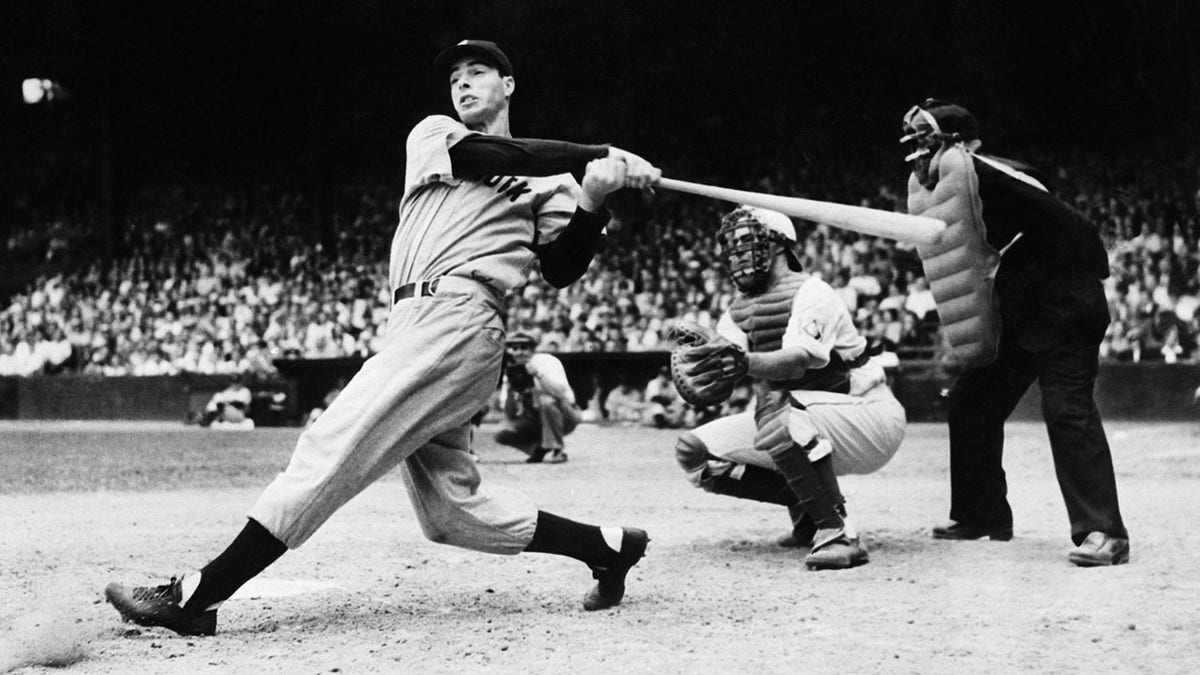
(983, 398)
(864, 433)
(410, 405)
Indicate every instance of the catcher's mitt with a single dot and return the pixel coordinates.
(704, 365)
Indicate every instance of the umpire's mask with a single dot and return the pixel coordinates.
(928, 128)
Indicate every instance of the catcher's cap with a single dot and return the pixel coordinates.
(483, 49)
(771, 220)
(522, 337)
(943, 118)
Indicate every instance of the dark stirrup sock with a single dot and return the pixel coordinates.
(250, 553)
(561, 536)
(746, 481)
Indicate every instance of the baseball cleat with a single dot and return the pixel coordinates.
(537, 456)
(159, 606)
(557, 457)
(610, 581)
(964, 531)
(1100, 550)
(835, 550)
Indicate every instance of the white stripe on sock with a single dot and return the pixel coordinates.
(612, 537)
(187, 587)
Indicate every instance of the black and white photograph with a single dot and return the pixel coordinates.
(625, 336)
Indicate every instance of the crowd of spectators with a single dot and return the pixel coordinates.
(219, 281)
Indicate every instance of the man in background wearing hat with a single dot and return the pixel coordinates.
(480, 210)
(1036, 311)
(539, 404)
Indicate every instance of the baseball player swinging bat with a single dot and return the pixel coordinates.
(899, 226)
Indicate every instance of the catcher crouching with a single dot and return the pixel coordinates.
(823, 407)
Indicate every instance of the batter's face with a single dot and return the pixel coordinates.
(479, 92)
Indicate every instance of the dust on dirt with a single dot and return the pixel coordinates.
(714, 594)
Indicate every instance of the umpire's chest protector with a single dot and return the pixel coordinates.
(960, 266)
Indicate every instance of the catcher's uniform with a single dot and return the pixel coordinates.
(460, 244)
(862, 428)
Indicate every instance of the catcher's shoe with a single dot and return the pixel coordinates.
(160, 606)
(610, 581)
(1100, 550)
(835, 550)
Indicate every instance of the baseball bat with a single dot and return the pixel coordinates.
(875, 222)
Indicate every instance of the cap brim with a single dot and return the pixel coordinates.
(452, 55)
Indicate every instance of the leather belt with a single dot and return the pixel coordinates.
(419, 289)
(450, 283)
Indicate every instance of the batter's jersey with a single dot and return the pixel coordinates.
(482, 229)
(819, 324)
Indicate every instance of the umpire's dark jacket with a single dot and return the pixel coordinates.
(1049, 280)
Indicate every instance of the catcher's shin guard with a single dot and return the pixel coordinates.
(829, 481)
(771, 418)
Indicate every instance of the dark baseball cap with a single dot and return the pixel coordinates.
(481, 49)
(522, 337)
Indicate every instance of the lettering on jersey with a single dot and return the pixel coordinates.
(508, 185)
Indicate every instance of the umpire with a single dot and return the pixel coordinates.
(1049, 315)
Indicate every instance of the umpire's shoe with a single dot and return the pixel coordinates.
(610, 580)
(1100, 550)
(160, 606)
(956, 530)
(835, 550)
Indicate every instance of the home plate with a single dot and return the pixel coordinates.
(279, 588)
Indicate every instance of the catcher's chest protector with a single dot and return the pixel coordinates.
(960, 265)
(764, 317)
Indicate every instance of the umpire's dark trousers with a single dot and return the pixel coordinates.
(983, 398)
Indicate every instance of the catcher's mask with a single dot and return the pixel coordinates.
(750, 238)
(928, 128)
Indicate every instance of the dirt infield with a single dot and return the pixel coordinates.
(81, 505)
